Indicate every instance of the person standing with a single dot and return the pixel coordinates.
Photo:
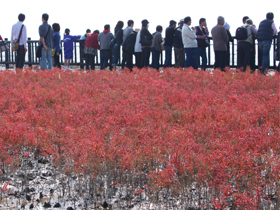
(244, 47)
(68, 47)
(104, 39)
(202, 40)
(91, 47)
(56, 45)
(46, 30)
(118, 43)
(146, 42)
(178, 46)
(168, 42)
(126, 32)
(156, 47)
(267, 30)
(138, 49)
(190, 43)
(82, 47)
(128, 49)
(230, 39)
(220, 40)
(19, 32)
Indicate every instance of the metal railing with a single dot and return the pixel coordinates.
(8, 57)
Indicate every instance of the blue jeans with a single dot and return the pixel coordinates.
(201, 52)
(155, 58)
(191, 57)
(116, 54)
(264, 47)
(104, 57)
(46, 60)
(168, 56)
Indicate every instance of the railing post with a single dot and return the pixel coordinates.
(29, 51)
(7, 56)
(232, 53)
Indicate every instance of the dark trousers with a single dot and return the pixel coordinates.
(138, 58)
(124, 59)
(56, 62)
(253, 56)
(128, 60)
(145, 57)
(220, 60)
(179, 57)
(90, 64)
(243, 54)
(20, 57)
(168, 56)
(191, 57)
(155, 58)
(201, 52)
(105, 55)
(82, 54)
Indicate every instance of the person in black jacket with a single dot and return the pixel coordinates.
(119, 40)
(146, 41)
(128, 48)
(202, 34)
(168, 43)
(179, 47)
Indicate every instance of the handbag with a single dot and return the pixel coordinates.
(40, 47)
(15, 43)
(145, 41)
(3, 46)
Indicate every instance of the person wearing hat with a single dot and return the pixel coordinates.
(178, 46)
(146, 41)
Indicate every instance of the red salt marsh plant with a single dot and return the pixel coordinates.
(176, 128)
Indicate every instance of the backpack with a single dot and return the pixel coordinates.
(241, 33)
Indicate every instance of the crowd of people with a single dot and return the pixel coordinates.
(189, 44)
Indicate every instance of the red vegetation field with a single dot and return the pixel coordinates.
(219, 131)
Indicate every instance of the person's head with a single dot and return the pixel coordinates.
(145, 23)
(159, 28)
(172, 23)
(249, 21)
(181, 23)
(188, 20)
(88, 31)
(270, 16)
(226, 26)
(130, 23)
(21, 17)
(96, 32)
(107, 27)
(221, 20)
(67, 31)
(244, 19)
(119, 24)
(56, 27)
(202, 22)
(45, 17)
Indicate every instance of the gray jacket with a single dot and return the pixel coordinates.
(43, 29)
(220, 38)
(126, 32)
(104, 40)
(157, 40)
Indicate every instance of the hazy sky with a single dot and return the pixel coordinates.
(80, 15)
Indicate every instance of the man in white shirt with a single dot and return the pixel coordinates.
(20, 55)
(190, 43)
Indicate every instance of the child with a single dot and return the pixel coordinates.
(68, 47)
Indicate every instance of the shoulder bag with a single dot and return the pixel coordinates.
(15, 43)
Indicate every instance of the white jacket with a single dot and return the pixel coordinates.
(137, 46)
(188, 37)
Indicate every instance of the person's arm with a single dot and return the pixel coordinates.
(191, 34)
(225, 35)
(56, 42)
(24, 38)
(254, 30)
(198, 36)
(274, 29)
(42, 34)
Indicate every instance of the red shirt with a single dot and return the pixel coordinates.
(1, 37)
(92, 42)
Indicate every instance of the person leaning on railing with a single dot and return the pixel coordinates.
(56, 45)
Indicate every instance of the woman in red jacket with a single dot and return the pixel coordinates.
(91, 47)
